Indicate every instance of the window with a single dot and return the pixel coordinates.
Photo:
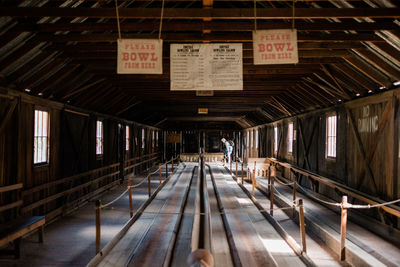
(256, 138)
(99, 138)
(143, 138)
(41, 137)
(331, 128)
(157, 139)
(127, 143)
(251, 140)
(152, 139)
(290, 137)
(275, 139)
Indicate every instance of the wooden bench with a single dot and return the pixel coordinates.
(14, 230)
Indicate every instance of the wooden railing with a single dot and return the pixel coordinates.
(132, 163)
(73, 190)
(392, 209)
(85, 185)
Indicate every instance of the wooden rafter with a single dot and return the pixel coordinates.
(196, 13)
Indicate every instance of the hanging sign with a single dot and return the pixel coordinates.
(173, 137)
(204, 93)
(139, 56)
(275, 47)
(206, 67)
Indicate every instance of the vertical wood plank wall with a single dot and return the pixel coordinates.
(368, 153)
(72, 145)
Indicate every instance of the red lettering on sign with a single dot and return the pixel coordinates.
(279, 46)
(153, 57)
(289, 47)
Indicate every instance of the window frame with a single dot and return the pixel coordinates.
(328, 137)
(290, 138)
(47, 146)
(276, 139)
(101, 137)
(127, 138)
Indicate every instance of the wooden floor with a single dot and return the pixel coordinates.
(70, 241)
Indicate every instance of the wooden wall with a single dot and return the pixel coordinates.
(367, 145)
(72, 144)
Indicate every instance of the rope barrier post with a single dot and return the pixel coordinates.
(166, 169)
(271, 197)
(269, 178)
(149, 184)
(159, 170)
(236, 169)
(302, 227)
(242, 172)
(130, 199)
(98, 225)
(294, 198)
(172, 164)
(343, 224)
(253, 181)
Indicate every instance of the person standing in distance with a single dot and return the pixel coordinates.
(227, 149)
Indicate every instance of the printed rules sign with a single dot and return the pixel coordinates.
(275, 47)
(139, 56)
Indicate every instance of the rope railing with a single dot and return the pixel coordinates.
(100, 206)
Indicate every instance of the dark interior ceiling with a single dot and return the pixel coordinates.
(65, 50)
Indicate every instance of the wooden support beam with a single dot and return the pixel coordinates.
(199, 13)
(326, 70)
(8, 115)
(199, 26)
(129, 106)
(83, 88)
(368, 71)
(199, 37)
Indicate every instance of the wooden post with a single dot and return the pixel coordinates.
(271, 197)
(242, 172)
(98, 225)
(236, 169)
(159, 170)
(149, 184)
(248, 174)
(253, 182)
(172, 164)
(130, 199)
(302, 227)
(269, 178)
(294, 198)
(343, 224)
(166, 169)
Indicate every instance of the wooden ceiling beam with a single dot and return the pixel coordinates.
(199, 13)
(199, 37)
(112, 47)
(246, 54)
(363, 81)
(44, 72)
(368, 71)
(379, 63)
(200, 26)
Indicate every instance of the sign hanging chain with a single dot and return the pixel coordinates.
(255, 15)
(161, 19)
(293, 8)
(119, 27)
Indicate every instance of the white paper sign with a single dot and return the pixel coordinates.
(275, 47)
(206, 67)
(139, 56)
